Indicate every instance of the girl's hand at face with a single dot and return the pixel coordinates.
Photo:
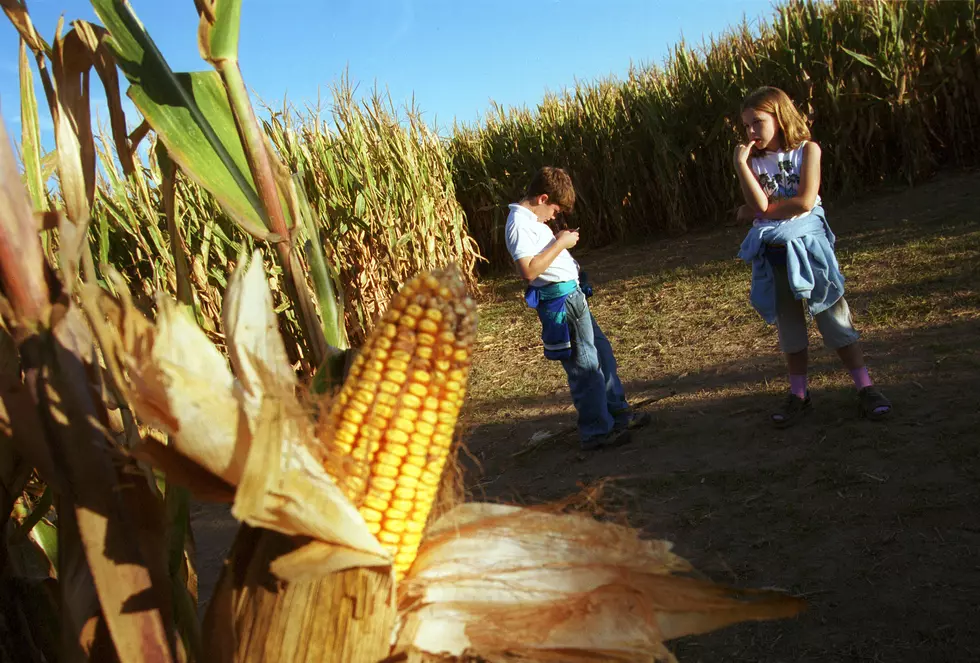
(742, 153)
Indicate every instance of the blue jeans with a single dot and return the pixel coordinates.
(596, 390)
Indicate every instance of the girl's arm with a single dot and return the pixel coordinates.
(806, 195)
(755, 197)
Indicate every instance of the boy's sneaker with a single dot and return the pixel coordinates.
(792, 410)
(633, 420)
(614, 438)
(873, 404)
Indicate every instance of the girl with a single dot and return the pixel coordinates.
(791, 249)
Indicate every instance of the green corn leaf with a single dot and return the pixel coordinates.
(190, 113)
(221, 22)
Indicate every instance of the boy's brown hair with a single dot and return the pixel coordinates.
(556, 184)
(791, 123)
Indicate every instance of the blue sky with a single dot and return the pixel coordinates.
(454, 56)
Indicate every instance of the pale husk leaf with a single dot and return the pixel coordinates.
(250, 432)
(502, 581)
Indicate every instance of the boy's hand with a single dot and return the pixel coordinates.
(566, 239)
(742, 153)
(745, 214)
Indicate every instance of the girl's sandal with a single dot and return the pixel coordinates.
(872, 404)
(792, 410)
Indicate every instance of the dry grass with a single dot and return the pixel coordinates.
(874, 523)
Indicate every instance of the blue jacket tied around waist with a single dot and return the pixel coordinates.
(549, 301)
(811, 264)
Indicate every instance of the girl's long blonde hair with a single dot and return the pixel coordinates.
(792, 125)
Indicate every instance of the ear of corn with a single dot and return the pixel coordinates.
(393, 420)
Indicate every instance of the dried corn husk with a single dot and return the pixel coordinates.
(245, 429)
(504, 582)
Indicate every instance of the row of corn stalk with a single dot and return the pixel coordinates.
(117, 402)
(892, 88)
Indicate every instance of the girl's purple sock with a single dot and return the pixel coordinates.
(797, 385)
(861, 378)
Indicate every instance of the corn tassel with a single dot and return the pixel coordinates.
(394, 418)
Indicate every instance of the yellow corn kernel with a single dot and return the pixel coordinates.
(399, 450)
(358, 406)
(405, 481)
(389, 537)
(353, 416)
(385, 458)
(393, 525)
(425, 339)
(404, 493)
(403, 423)
(376, 505)
(412, 527)
(396, 436)
(424, 353)
(418, 449)
(411, 401)
(413, 470)
(344, 437)
(396, 376)
(411, 538)
(386, 471)
(374, 528)
(404, 506)
(393, 514)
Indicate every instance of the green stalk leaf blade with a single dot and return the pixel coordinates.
(221, 35)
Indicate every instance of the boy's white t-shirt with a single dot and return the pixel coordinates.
(526, 237)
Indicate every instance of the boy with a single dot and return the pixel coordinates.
(543, 260)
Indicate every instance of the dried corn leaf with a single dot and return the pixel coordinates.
(252, 331)
(502, 581)
(21, 260)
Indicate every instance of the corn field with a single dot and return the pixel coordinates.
(155, 307)
(892, 89)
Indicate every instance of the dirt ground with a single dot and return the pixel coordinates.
(875, 524)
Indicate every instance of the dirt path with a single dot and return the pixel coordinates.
(876, 524)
